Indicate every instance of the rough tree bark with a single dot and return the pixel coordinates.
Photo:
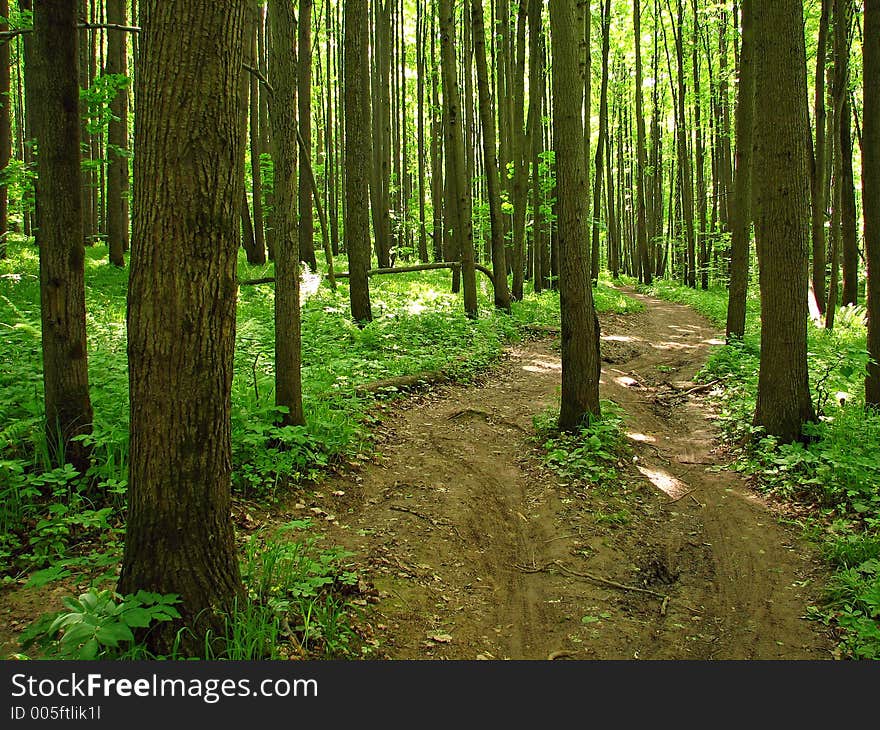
(53, 96)
(782, 220)
(181, 314)
(306, 228)
(358, 153)
(580, 326)
(283, 125)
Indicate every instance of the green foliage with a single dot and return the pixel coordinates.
(99, 624)
(592, 454)
(296, 591)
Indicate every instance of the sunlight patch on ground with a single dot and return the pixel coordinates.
(714, 341)
(640, 437)
(618, 338)
(627, 382)
(665, 482)
(673, 346)
(542, 366)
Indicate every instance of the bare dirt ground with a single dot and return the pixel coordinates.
(479, 552)
(476, 551)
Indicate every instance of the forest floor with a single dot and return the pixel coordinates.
(478, 551)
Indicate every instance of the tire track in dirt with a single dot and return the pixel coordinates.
(462, 531)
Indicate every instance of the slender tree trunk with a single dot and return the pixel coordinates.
(255, 14)
(644, 267)
(602, 142)
(871, 191)
(818, 166)
(5, 125)
(849, 237)
(580, 326)
(117, 138)
(493, 181)
(181, 314)
(306, 229)
(741, 204)
(421, 24)
(782, 220)
(462, 219)
(520, 140)
(283, 124)
(703, 257)
(358, 154)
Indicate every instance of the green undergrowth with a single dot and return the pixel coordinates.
(55, 523)
(298, 604)
(591, 455)
(836, 473)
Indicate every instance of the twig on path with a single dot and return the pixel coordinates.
(428, 518)
(560, 655)
(589, 576)
(673, 501)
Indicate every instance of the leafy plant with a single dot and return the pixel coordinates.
(99, 623)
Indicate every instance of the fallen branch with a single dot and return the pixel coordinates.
(589, 576)
(403, 382)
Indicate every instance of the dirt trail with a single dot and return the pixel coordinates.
(475, 548)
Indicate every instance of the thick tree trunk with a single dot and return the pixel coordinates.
(580, 326)
(490, 161)
(358, 153)
(462, 219)
(181, 314)
(257, 255)
(283, 124)
(782, 220)
(871, 191)
(53, 97)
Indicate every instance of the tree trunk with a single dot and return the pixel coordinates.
(848, 235)
(817, 177)
(741, 204)
(462, 219)
(303, 77)
(601, 144)
(644, 267)
(871, 191)
(181, 315)
(358, 153)
(53, 95)
(283, 125)
(782, 220)
(255, 14)
(580, 326)
(117, 139)
(520, 145)
(490, 161)
(5, 125)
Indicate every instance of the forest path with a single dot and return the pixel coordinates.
(475, 548)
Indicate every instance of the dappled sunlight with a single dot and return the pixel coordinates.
(641, 438)
(627, 382)
(665, 482)
(309, 284)
(619, 338)
(713, 341)
(673, 346)
(543, 366)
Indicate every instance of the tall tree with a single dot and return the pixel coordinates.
(871, 190)
(117, 138)
(818, 166)
(181, 313)
(580, 326)
(490, 160)
(460, 189)
(53, 96)
(306, 229)
(741, 204)
(358, 153)
(644, 265)
(5, 125)
(602, 142)
(782, 218)
(283, 123)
